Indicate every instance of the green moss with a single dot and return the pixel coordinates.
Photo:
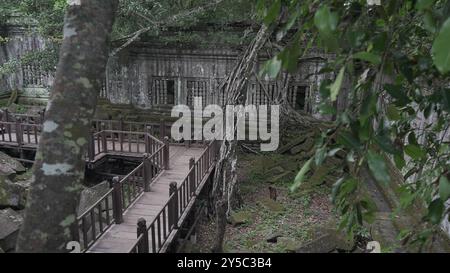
(271, 205)
(241, 217)
(25, 176)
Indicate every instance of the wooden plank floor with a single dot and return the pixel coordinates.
(120, 238)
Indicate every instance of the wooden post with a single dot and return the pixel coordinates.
(162, 129)
(166, 153)
(217, 147)
(148, 128)
(74, 230)
(91, 145)
(121, 129)
(173, 205)
(192, 176)
(42, 113)
(147, 143)
(187, 142)
(117, 200)
(121, 124)
(214, 149)
(143, 245)
(104, 143)
(8, 126)
(19, 134)
(147, 173)
(207, 157)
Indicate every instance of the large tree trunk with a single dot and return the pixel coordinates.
(225, 176)
(59, 169)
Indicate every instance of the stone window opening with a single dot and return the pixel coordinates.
(196, 88)
(162, 91)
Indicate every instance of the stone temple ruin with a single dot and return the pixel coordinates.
(155, 76)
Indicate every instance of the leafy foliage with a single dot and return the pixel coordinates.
(133, 15)
(49, 15)
(45, 57)
(7, 7)
(394, 60)
(136, 14)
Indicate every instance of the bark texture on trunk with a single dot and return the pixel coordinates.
(59, 167)
(225, 176)
(221, 223)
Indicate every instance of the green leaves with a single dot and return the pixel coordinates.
(326, 22)
(399, 161)
(441, 48)
(368, 57)
(414, 151)
(336, 86)
(406, 197)
(446, 99)
(424, 4)
(273, 12)
(272, 67)
(301, 175)
(378, 167)
(320, 155)
(289, 56)
(435, 211)
(343, 187)
(398, 93)
(290, 23)
(444, 188)
(393, 113)
(348, 140)
(368, 106)
(386, 144)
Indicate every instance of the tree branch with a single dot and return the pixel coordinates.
(134, 36)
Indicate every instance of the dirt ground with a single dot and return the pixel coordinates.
(292, 218)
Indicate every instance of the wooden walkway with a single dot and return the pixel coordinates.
(143, 210)
(122, 237)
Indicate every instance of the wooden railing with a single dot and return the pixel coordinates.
(151, 238)
(108, 141)
(110, 208)
(7, 116)
(160, 129)
(92, 223)
(19, 133)
(119, 125)
(29, 133)
(132, 185)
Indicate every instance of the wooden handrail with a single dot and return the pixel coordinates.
(122, 195)
(162, 226)
(95, 204)
(182, 197)
(102, 206)
(122, 142)
(138, 168)
(132, 185)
